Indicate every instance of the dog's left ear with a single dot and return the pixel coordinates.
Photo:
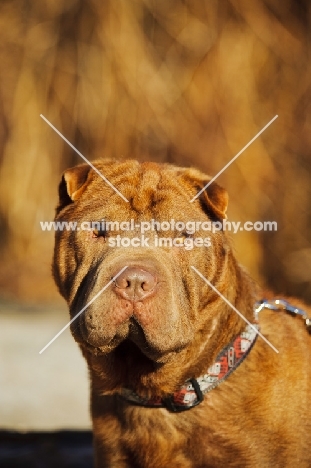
(214, 198)
(74, 182)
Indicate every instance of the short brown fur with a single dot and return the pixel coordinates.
(261, 415)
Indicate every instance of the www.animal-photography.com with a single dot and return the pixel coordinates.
(155, 288)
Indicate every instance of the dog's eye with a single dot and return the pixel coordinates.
(99, 233)
(187, 235)
(183, 235)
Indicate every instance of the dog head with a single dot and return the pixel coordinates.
(128, 266)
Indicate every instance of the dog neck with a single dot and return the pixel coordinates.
(192, 392)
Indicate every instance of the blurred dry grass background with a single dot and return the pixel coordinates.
(184, 81)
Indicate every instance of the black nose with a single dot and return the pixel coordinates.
(135, 284)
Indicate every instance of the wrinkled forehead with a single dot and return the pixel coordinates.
(151, 193)
(141, 190)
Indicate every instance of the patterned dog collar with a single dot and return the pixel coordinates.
(192, 392)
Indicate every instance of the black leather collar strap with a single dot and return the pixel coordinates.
(192, 392)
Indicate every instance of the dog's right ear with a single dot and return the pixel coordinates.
(74, 182)
(213, 199)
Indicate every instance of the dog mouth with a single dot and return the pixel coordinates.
(137, 337)
(130, 333)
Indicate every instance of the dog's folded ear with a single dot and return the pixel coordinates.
(74, 182)
(214, 199)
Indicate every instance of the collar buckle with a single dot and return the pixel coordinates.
(170, 402)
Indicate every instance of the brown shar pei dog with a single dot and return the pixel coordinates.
(178, 378)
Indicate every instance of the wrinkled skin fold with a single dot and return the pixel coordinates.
(157, 324)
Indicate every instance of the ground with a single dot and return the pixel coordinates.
(40, 392)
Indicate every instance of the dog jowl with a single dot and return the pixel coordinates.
(178, 378)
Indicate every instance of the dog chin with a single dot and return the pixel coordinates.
(126, 345)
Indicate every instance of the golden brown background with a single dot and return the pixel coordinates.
(189, 82)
